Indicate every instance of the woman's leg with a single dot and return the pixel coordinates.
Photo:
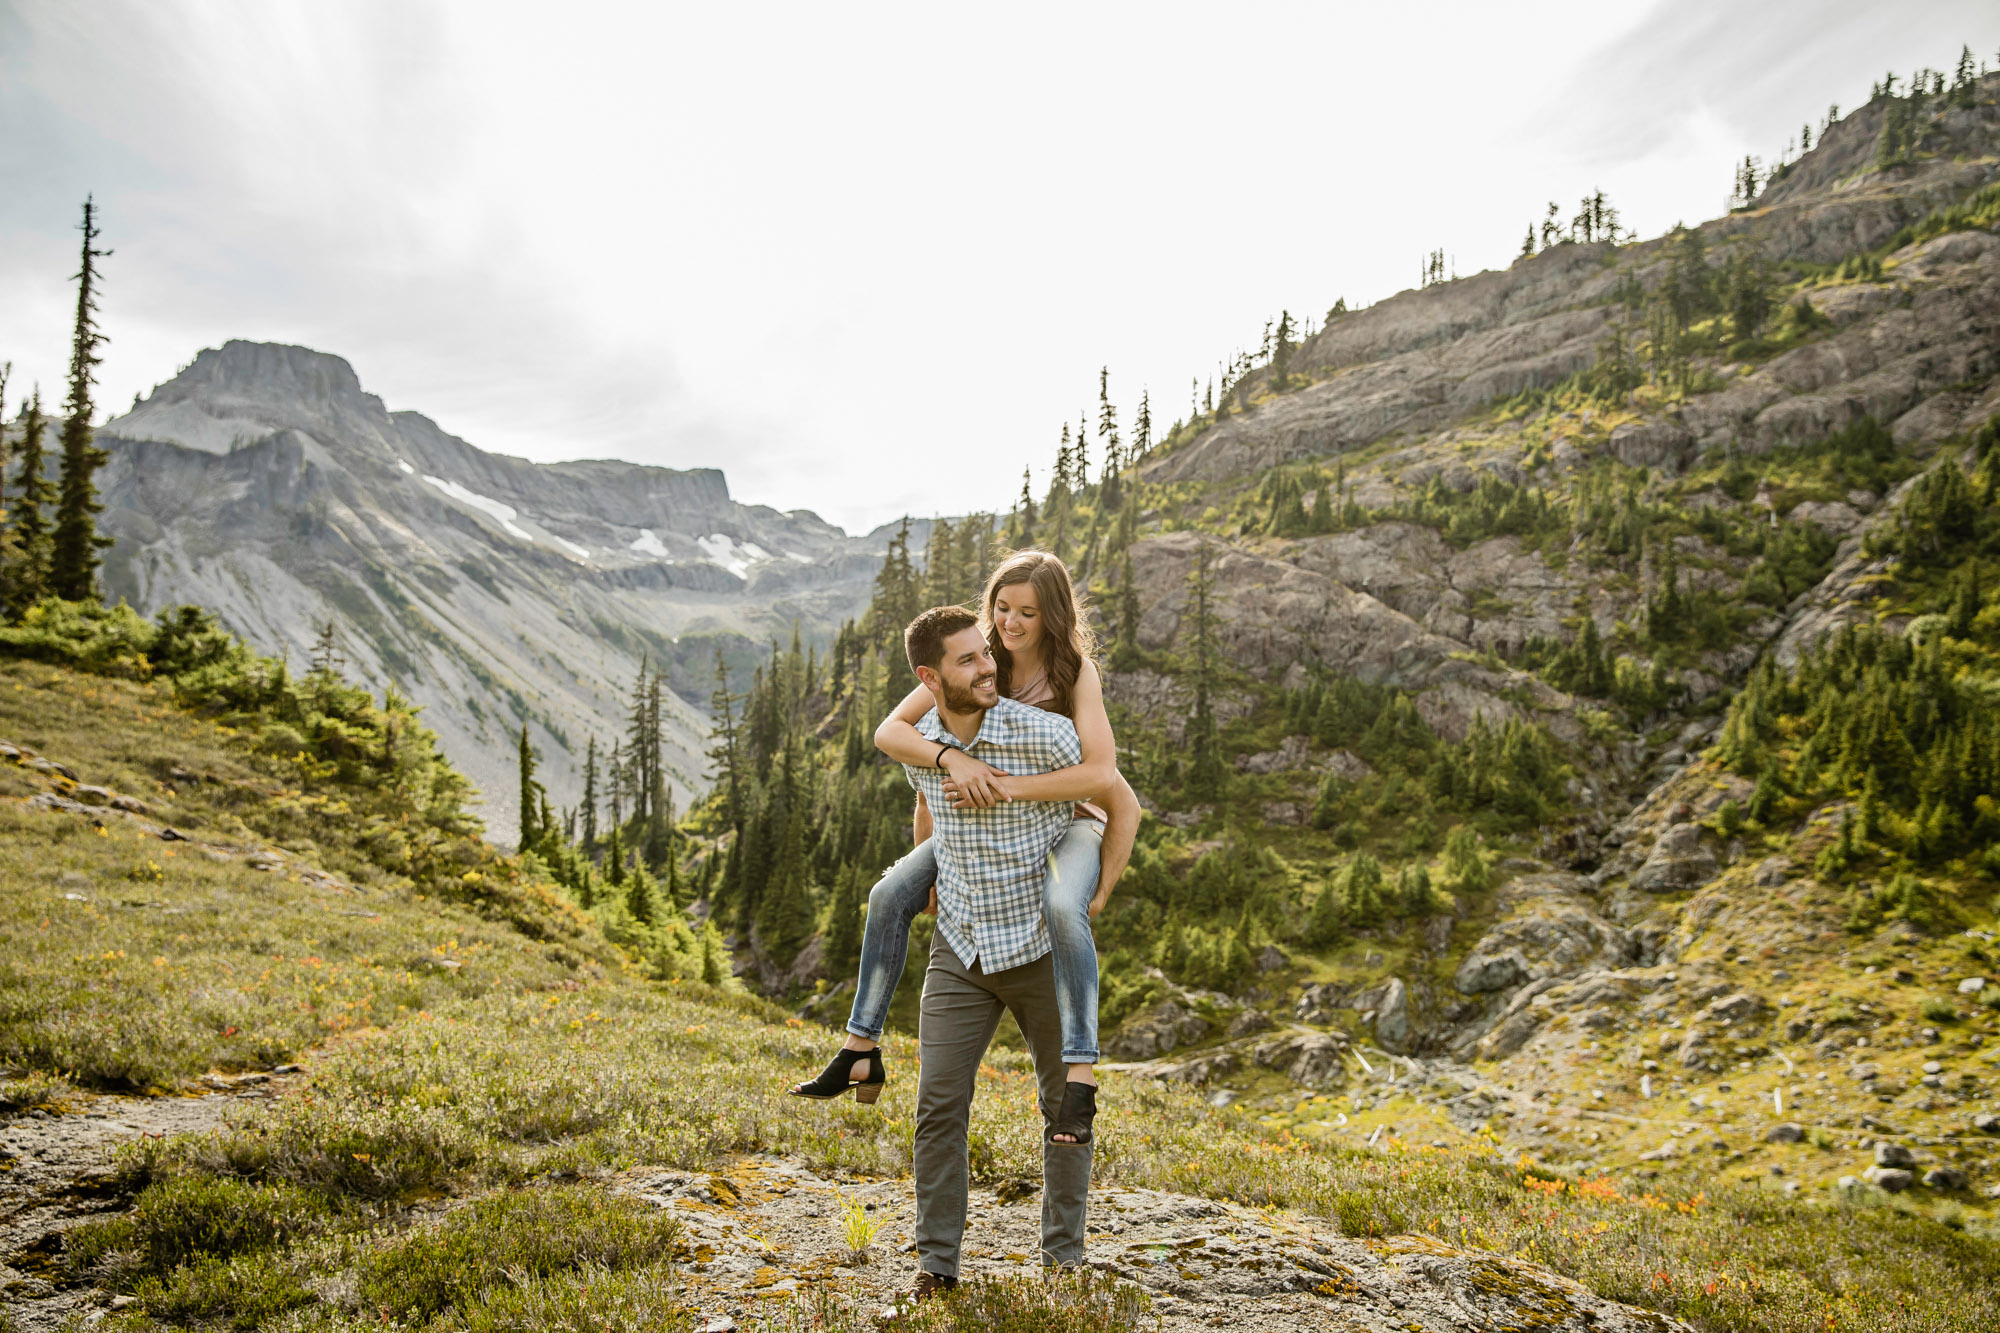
(893, 903)
(1066, 895)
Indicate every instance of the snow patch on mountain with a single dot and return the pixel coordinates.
(721, 549)
(485, 504)
(650, 544)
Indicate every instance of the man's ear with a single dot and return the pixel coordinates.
(928, 678)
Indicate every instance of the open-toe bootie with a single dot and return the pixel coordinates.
(838, 1077)
(1079, 1108)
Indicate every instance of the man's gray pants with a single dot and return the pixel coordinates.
(961, 1011)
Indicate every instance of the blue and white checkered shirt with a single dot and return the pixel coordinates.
(991, 862)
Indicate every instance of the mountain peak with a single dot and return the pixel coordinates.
(244, 391)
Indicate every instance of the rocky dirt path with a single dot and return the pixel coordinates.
(768, 1226)
(55, 1169)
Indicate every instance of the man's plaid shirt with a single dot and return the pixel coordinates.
(991, 863)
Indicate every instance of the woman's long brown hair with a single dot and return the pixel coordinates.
(1066, 635)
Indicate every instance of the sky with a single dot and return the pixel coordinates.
(865, 259)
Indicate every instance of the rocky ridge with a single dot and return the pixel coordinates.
(263, 482)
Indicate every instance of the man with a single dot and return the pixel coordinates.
(990, 951)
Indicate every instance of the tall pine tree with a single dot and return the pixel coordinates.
(27, 574)
(75, 543)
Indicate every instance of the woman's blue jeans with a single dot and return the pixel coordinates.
(903, 891)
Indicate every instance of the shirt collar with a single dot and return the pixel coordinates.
(994, 728)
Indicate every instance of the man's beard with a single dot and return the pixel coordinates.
(966, 700)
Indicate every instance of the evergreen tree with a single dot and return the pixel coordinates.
(784, 914)
(74, 543)
(1281, 353)
(1022, 532)
(1206, 773)
(1107, 435)
(614, 857)
(28, 574)
(1749, 294)
(845, 916)
(1125, 653)
(1142, 429)
(532, 798)
(590, 798)
(1326, 920)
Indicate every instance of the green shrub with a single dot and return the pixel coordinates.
(526, 1234)
(592, 1298)
(187, 1218)
(248, 1289)
(1939, 1010)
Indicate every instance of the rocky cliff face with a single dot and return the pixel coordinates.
(1643, 950)
(1401, 392)
(264, 482)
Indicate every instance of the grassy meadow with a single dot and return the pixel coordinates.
(471, 1085)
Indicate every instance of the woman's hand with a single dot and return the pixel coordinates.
(972, 783)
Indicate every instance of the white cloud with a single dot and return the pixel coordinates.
(865, 260)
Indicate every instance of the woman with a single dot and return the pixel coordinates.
(1042, 648)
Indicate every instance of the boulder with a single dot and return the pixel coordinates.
(1310, 1059)
(1785, 1133)
(1678, 861)
(1290, 754)
(1390, 1003)
(1550, 930)
(1893, 1179)
(1893, 1154)
(1319, 1002)
(1510, 1034)
(1946, 1178)
(1483, 972)
(1986, 1122)
(1248, 1022)
(1734, 1008)
(1667, 445)
(1166, 1026)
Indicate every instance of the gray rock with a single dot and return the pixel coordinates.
(1735, 1008)
(1986, 1122)
(1483, 972)
(1290, 754)
(1893, 1154)
(1893, 1179)
(1272, 959)
(1656, 444)
(1318, 1003)
(1310, 1059)
(1248, 1022)
(1946, 1178)
(1163, 1028)
(1678, 861)
(1785, 1133)
(1390, 1003)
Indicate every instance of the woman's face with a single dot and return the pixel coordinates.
(1018, 616)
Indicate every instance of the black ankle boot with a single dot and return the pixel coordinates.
(1079, 1109)
(837, 1078)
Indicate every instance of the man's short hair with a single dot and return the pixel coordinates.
(924, 639)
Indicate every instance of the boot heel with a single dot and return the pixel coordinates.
(866, 1093)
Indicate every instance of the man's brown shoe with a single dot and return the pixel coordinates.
(931, 1284)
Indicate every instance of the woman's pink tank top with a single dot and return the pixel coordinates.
(1038, 693)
